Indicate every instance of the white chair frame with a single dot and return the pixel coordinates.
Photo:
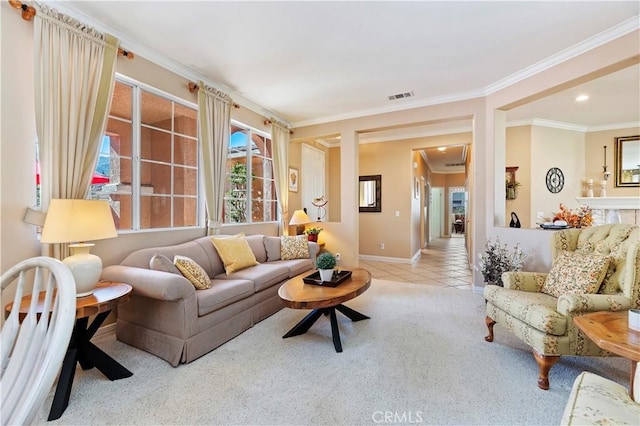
(33, 346)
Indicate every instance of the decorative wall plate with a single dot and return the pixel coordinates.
(555, 180)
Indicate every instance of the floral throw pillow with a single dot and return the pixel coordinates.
(294, 247)
(193, 272)
(575, 273)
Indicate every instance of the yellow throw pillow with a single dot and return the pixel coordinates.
(193, 272)
(575, 273)
(234, 252)
(294, 247)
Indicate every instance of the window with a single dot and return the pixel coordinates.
(148, 162)
(250, 191)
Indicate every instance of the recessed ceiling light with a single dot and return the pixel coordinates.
(442, 148)
(582, 98)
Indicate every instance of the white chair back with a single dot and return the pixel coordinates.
(33, 346)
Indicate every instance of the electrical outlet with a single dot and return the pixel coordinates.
(338, 257)
(381, 246)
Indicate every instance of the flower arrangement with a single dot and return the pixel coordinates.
(312, 231)
(326, 261)
(498, 258)
(579, 218)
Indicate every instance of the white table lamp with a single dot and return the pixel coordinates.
(78, 221)
(299, 219)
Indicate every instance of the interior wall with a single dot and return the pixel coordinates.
(564, 149)
(594, 160)
(397, 185)
(335, 181)
(518, 153)
(18, 139)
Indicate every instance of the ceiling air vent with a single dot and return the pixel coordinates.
(454, 164)
(400, 96)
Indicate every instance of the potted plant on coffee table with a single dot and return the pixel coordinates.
(312, 233)
(326, 263)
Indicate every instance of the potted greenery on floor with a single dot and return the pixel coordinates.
(498, 258)
(326, 263)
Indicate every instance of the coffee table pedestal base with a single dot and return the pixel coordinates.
(306, 323)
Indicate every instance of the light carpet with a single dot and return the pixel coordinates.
(421, 358)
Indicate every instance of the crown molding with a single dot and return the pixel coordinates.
(454, 97)
(548, 123)
(615, 126)
(163, 60)
(415, 135)
(623, 28)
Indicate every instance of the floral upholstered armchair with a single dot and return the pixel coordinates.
(593, 269)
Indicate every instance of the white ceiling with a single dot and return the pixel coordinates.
(312, 62)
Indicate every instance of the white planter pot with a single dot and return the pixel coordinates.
(326, 274)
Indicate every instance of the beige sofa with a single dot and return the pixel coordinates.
(169, 318)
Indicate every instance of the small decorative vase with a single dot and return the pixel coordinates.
(313, 237)
(326, 274)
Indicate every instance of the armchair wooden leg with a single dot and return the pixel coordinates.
(490, 323)
(545, 362)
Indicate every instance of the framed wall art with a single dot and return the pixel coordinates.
(293, 179)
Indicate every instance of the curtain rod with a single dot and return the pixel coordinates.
(193, 87)
(28, 12)
(126, 53)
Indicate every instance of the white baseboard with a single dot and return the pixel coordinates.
(388, 259)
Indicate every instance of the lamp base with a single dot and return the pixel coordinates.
(85, 267)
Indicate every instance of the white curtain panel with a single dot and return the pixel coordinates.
(214, 109)
(74, 73)
(280, 141)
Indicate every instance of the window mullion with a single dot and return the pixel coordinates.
(135, 163)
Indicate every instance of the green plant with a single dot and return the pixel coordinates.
(498, 258)
(326, 261)
(512, 184)
(312, 231)
(236, 195)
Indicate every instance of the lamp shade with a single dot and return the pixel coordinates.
(299, 218)
(78, 221)
(70, 221)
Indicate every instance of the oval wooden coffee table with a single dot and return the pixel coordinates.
(296, 294)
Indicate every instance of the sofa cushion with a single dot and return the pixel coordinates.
(160, 262)
(296, 266)
(536, 309)
(575, 273)
(263, 275)
(193, 272)
(222, 293)
(235, 252)
(294, 247)
(272, 246)
(256, 242)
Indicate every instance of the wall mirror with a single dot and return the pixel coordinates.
(627, 161)
(370, 199)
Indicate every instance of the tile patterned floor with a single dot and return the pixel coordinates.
(443, 264)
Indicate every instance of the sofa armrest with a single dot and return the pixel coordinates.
(524, 281)
(149, 283)
(571, 304)
(314, 248)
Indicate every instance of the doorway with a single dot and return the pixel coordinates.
(457, 210)
(436, 208)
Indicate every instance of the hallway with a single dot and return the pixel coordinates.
(443, 264)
